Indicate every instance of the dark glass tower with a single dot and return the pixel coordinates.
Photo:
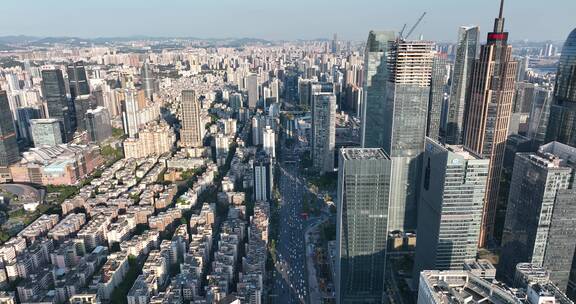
(540, 226)
(78, 80)
(361, 227)
(466, 53)
(438, 85)
(54, 92)
(562, 123)
(8, 142)
(374, 88)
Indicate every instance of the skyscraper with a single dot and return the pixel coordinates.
(488, 113)
(376, 76)
(361, 225)
(438, 85)
(323, 131)
(450, 208)
(539, 115)
(540, 226)
(8, 144)
(404, 125)
(54, 92)
(147, 80)
(77, 79)
(130, 119)
(23, 117)
(222, 145)
(263, 177)
(269, 142)
(98, 124)
(191, 131)
(562, 124)
(334, 44)
(466, 52)
(252, 87)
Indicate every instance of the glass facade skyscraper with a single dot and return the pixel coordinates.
(361, 226)
(372, 105)
(78, 80)
(8, 143)
(466, 53)
(438, 84)
(540, 226)
(450, 207)
(54, 92)
(147, 80)
(562, 124)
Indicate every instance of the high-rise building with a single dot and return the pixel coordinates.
(23, 117)
(562, 123)
(362, 225)
(523, 97)
(191, 131)
(373, 106)
(130, 120)
(236, 101)
(269, 142)
(539, 115)
(98, 124)
(257, 128)
(77, 79)
(323, 134)
(82, 104)
(461, 286)
(404, 125)
(54, 92)
(488, 113)
(466, 53)
(46, 132)
(263, 177)
(438, 95)
(334, 45)
(450, 208)
(147, 80)
(222, 145)
(8, 143)
(252, 87)
(540, 226)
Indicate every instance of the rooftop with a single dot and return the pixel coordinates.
(364, 153)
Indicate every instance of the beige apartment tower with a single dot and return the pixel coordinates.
(191, 131)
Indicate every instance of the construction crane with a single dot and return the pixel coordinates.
(402, 31)
(413, 27)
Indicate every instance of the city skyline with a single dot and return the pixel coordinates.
(373, 166)
(525, 20)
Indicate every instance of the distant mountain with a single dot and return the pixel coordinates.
(21, 40)
(17, 39)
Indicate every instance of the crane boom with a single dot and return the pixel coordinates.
(415, 25)
(402, 31)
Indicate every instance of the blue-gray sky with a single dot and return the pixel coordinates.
(277, 20)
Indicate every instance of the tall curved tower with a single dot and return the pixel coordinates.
(562, 123)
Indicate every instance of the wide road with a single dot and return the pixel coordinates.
(290, 275)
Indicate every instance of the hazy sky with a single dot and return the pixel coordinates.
(288, 19)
